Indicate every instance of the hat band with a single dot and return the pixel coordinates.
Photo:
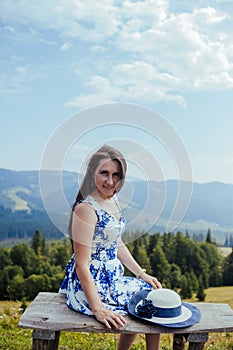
(165, 313)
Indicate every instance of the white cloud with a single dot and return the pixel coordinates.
(145, 50)
(169, 54)
(142, 81)
(89, 20)
(101, 92)
(66, 46)
(208, 15)
(98, 49)
(139, 82)
(19, 76)
(14, 82)
(184, 45)
(10, 29)
(140, 15)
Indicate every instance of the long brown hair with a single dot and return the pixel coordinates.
(88, 183)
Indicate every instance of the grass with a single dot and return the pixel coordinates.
(14, 338)
(220, 295)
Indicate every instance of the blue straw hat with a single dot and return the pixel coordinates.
(163, 307)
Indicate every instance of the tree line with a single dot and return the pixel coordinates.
(20, 224)
(182, 263)
(179, 262)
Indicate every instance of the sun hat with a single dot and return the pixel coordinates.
(164, 307)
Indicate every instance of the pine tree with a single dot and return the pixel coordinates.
(212, 262)
(175, 277)
(143, 259)
(226, 241)
(180, 251)
(185, 288)
(159, 264)
(187, 235)
(38, 243)
(209, 237)
(231, 241)
(201, 291)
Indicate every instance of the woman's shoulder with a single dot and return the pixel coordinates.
(85, 212)
(84, 209)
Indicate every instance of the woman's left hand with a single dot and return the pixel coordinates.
(155, 284)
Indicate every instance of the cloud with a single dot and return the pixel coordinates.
(166, 55)
(139, 82)
(89, 20)
(187, 46)
(66, 46)
(14, 82)
(101, 92)
(140, 15)
(144, 51)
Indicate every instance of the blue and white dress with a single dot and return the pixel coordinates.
(107, 271)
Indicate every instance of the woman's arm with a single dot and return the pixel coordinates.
(83, 226)
(128, 261)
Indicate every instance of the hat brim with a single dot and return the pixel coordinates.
(190, 314)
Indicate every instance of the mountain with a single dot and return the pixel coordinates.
(22, 209)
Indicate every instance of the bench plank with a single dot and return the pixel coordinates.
(49, 311)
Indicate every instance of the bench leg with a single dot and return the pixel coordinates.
(196, 346)
(179, 342)
(45, 340)
(197, 341)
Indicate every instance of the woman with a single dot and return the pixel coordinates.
(94, 281)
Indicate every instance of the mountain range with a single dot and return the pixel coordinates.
(22, 209)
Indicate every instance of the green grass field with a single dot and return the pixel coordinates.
(14, 338)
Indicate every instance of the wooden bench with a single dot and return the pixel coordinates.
(48, 314)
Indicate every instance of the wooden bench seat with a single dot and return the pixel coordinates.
(48, 315)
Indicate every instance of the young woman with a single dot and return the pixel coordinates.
(95, 283)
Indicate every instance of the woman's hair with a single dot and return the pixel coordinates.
(88, 183)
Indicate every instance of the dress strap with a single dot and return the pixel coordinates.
(117, 202)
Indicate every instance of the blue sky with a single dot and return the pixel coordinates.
(59, 58)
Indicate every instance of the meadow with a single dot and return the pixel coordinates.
(14, 338)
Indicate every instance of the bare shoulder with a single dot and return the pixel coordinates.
(84, 221)
(84, 211)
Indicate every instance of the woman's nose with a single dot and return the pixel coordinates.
(110, 180)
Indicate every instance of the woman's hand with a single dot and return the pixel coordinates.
(110, 318)
(155, 284)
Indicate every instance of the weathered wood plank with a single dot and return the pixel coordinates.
(49, 311)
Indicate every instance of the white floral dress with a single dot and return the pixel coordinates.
(107, 271)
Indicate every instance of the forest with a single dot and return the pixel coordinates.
(179, 262)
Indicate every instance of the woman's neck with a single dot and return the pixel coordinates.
(100, 198)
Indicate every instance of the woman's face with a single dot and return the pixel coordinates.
(107, 176)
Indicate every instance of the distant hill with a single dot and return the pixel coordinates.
(22, 210)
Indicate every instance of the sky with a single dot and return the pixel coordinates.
(60, 58)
